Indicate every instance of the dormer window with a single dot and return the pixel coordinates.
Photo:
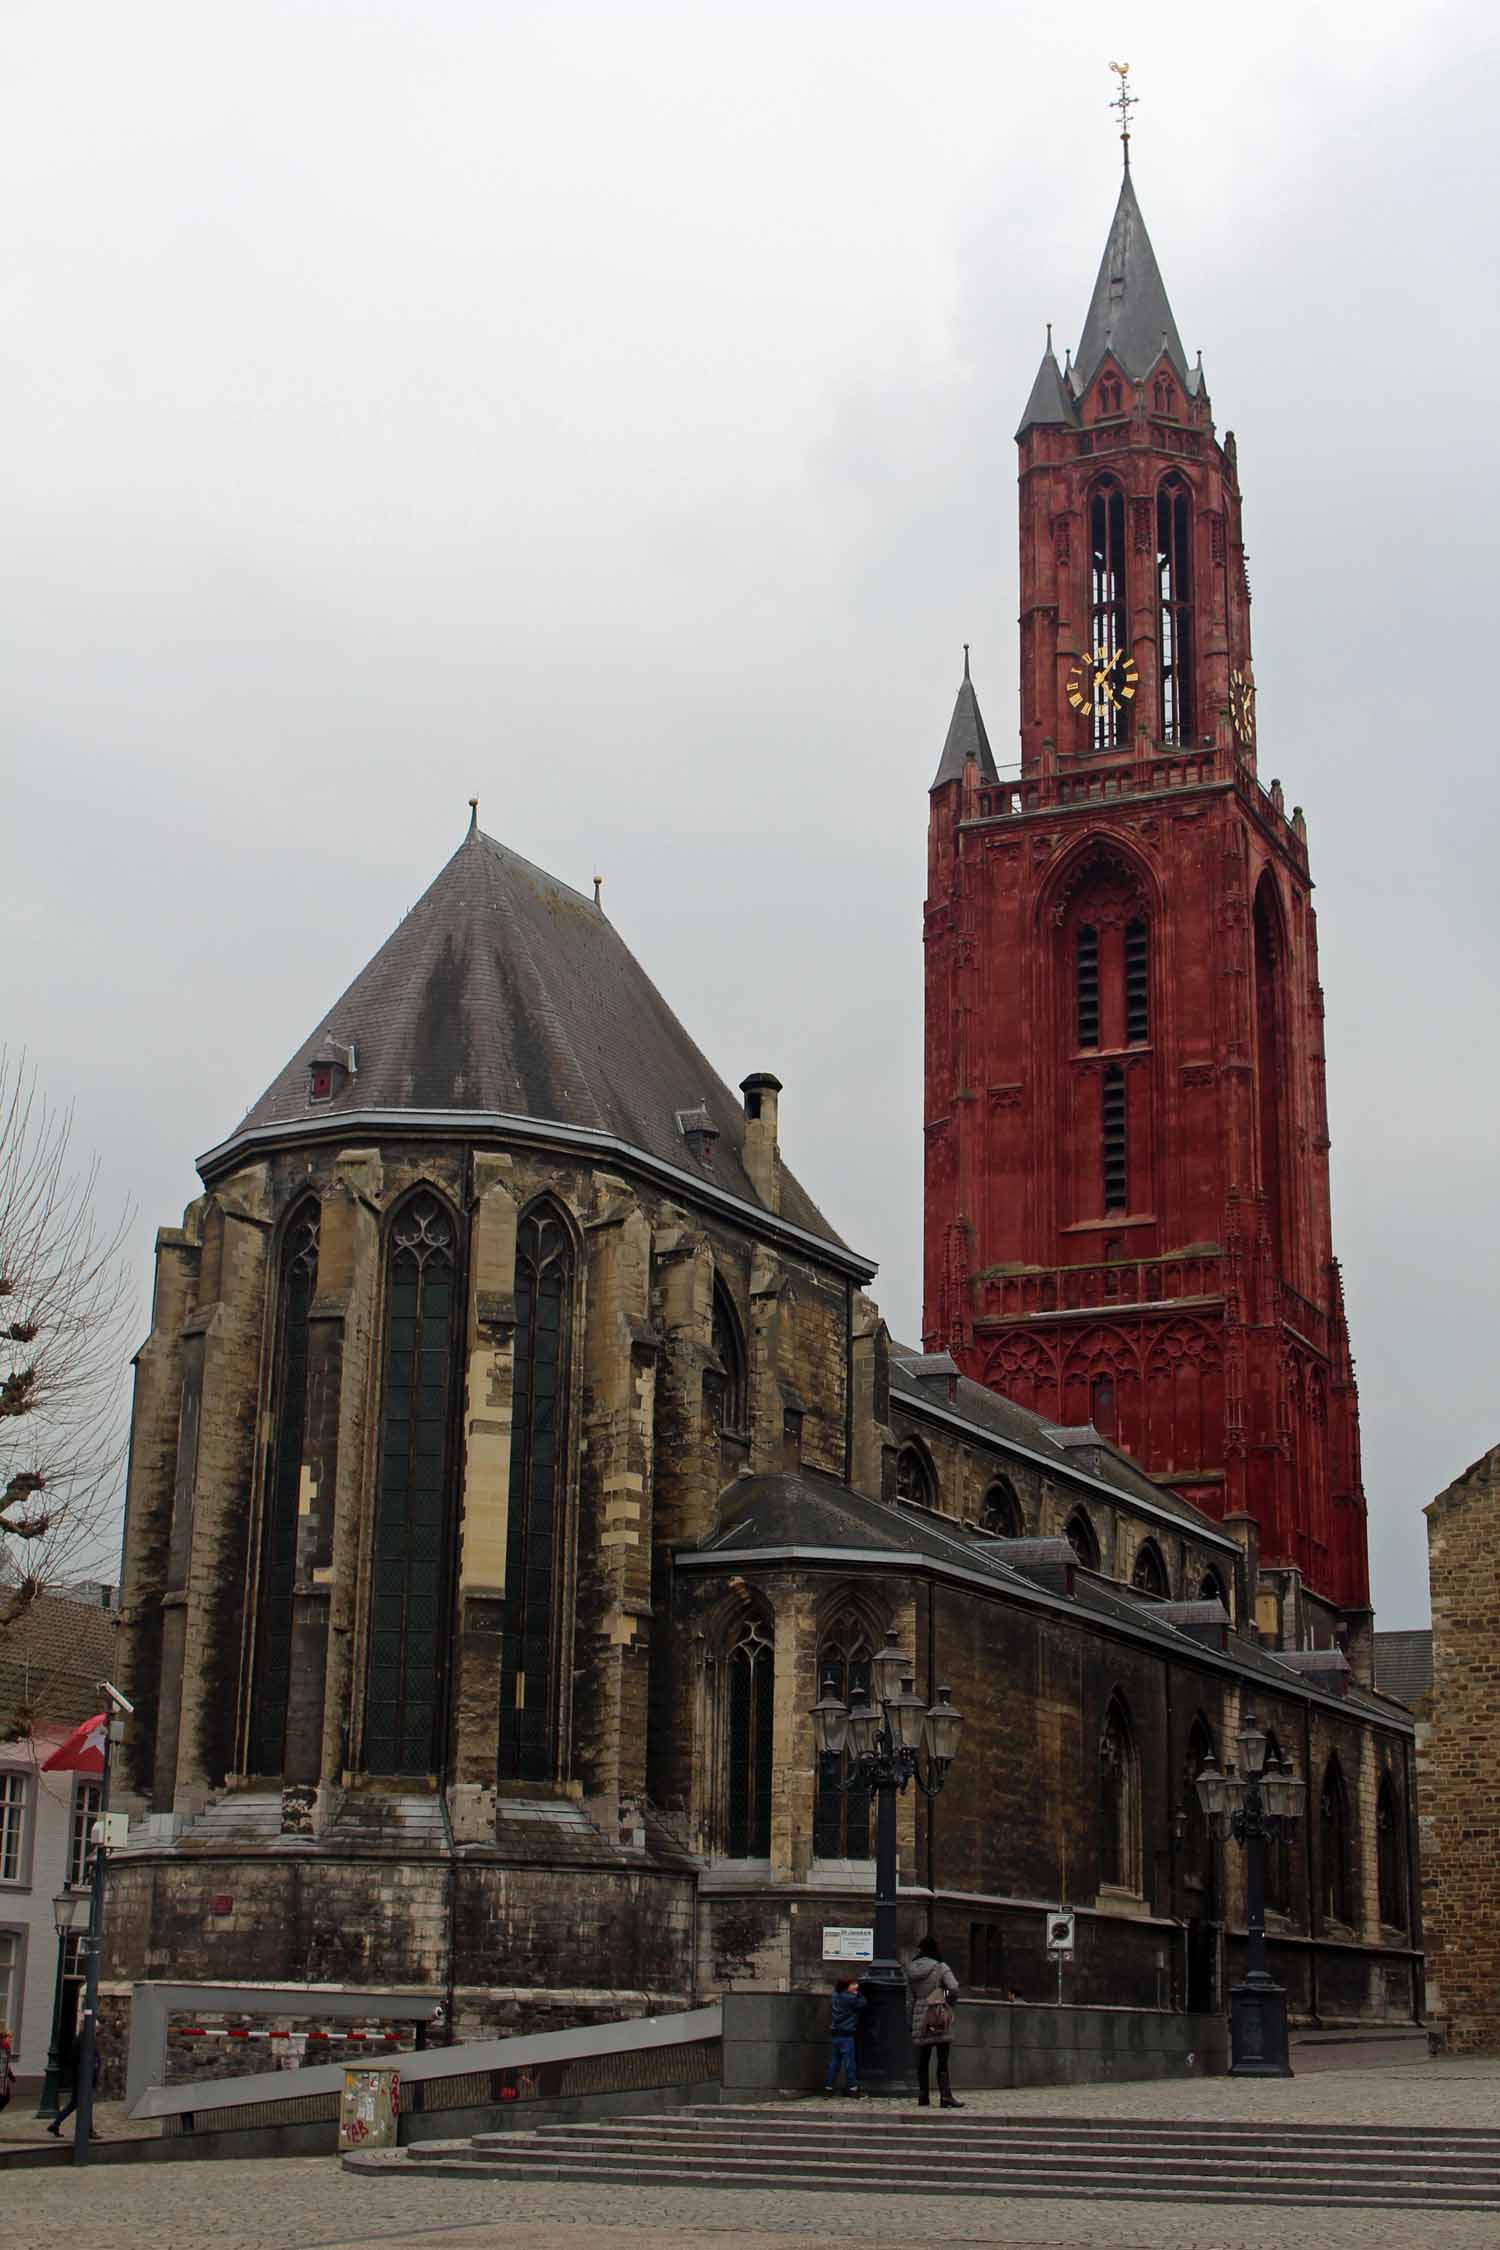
(699, 1131)
(330, 1072)
(1109, 394)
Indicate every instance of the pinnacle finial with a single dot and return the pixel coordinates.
(473, 816)
(1049, 339)
(966, 659)
(598, 890)
(1124, 102)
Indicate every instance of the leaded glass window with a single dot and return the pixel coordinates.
(1391, 1856)
(1333, 1843)
(414, 1505)
(538, 1481)
(278, 1542)
(841, 1824)
(749, 1682)
(1002, 1511)
(1119, 1803)
(1149, 1574)
(724, 1384)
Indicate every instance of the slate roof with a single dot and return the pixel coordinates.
(505, 991)
(1050, 400)
(966, 737)
(925, 1381)
(1128, 313)
(806, 1509)
(1403, 1666)
(52, 1659)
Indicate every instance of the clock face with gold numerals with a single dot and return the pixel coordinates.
(1242, 706)
(1107, 679)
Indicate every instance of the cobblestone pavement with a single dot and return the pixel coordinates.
(310, 2204)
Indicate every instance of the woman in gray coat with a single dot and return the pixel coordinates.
(930, 1981)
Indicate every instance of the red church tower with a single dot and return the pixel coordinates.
(1127, 1209)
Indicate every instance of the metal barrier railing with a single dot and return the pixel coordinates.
(636, 2056)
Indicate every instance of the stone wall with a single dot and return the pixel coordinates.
(1461, 1762)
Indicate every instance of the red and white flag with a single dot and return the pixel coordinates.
(83, 1751)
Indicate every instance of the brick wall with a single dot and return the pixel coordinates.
(1461, 1762)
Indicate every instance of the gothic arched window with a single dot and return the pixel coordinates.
(1119, 1802)
(1002, 1511)
(1278, 1853)
(534, 1538)
(841, 1824)
(1109, 394)
(749, 1682)
(1163, 396)
(1333, 1843)
(1390, 1856)
(410, 1571)
(724, 1384)
(1269, 954)
(1107, 621)
(297, 1279)
(1082, 1538)
(1149, 1574)
(916, 1480)
(1211, 1588)
(1174, 610)
(1199, 1859)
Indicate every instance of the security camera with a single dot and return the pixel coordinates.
(120, 1702)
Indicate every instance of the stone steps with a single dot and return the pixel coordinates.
(890, 2149)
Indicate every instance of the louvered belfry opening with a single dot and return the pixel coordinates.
(1137, 984)
(415, 1506)
(1087, 987)
(1114, 1150)
(749, 1684)
(538, 1482)
(298, 1280)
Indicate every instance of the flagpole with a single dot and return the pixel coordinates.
(87, 2040)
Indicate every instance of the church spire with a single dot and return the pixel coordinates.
(1128, 313)
(1049, 400)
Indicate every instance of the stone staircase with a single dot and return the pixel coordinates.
(889, 2149)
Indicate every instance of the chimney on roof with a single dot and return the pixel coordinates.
(762, 1150)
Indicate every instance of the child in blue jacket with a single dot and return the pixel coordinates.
(848, 2006)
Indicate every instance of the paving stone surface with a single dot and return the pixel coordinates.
(309, 2203)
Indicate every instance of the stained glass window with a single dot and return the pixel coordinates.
(748, 1693)
(538, 1481)
(278, 1548)
(414, 1506)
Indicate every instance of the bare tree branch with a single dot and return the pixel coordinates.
(64, 1350)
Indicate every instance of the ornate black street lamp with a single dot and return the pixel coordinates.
(70, 1912)
(1255, 1807)
(879, 1746)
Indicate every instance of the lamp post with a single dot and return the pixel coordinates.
(1255, 1807)
(880, 1746)
(70, 1911)
(88, 2036)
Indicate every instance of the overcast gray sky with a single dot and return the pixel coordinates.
(609, 411)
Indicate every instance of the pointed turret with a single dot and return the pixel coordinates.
(966, 737)
(1128, 315)
(1050, 400)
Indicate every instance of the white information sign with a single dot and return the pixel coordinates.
(1060, 1931)
(848, 1945)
